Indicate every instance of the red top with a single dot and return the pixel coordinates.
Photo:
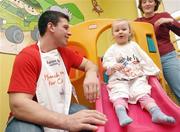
(162, 32)
(27, 67)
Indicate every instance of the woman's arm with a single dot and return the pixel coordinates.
(171, 23)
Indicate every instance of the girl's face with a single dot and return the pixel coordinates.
(148, 6)
(121, 32)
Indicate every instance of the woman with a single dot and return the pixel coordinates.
(163, 23)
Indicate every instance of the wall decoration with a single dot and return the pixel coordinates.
(96, 7)
(18, 21)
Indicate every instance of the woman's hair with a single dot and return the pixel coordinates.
(125, 20)
(155, 9)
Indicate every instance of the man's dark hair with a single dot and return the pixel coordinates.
(49, 16)
(155, 9)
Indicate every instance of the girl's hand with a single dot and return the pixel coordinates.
(118, 67)
(158, 77)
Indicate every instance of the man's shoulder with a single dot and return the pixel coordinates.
(64, 49)
(33, 48)
(29, 54)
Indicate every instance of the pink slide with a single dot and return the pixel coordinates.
(141, 118)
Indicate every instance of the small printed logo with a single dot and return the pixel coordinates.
(53, 62)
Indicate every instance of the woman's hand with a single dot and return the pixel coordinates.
(163, 21)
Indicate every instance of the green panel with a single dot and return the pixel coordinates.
(151, 44)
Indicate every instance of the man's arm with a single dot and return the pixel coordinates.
(91, 82)
(24, 108)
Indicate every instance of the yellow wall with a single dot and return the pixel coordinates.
(112, 8)
(6, 62)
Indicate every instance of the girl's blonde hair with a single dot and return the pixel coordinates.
(130, 28)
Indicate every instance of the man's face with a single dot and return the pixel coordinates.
(62, 32)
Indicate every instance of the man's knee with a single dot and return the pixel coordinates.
(21, 126)
(76, 107)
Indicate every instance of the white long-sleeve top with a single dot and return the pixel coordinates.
(135, 61)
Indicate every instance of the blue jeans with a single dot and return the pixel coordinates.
(171, 71)
(16, 125)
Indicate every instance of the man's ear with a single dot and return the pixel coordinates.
(50, 27)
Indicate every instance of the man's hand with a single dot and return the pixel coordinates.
(24, 108)
(162, 21)
(85, 120)
(91, 86)
(91, 82)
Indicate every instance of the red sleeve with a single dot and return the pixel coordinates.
(76, 58)
(25, 72)
(71, 59)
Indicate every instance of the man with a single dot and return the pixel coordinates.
(40, 89)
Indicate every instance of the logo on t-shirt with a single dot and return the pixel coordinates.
(53, 62)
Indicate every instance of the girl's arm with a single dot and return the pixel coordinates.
(146, 62)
